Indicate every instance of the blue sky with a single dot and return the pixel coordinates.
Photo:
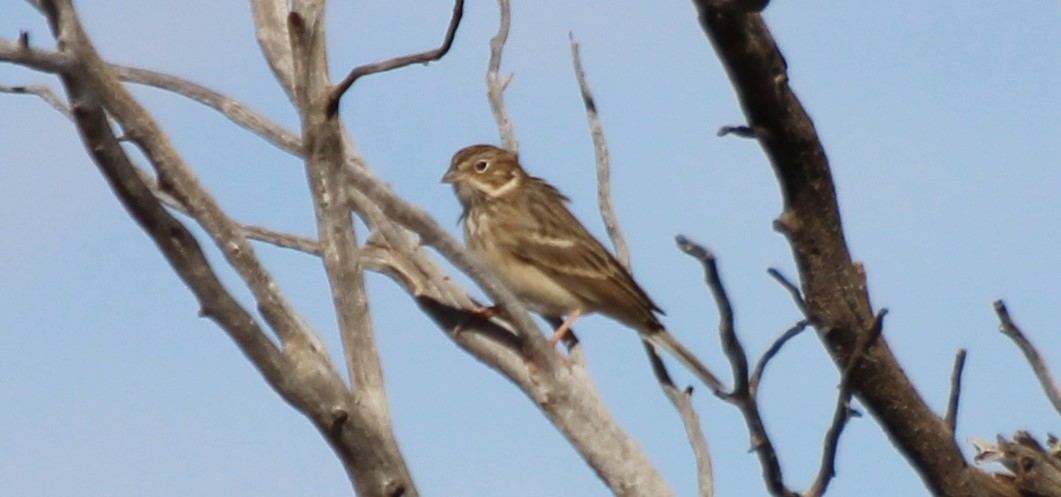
(940, 120)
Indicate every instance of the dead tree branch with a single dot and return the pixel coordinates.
(679, 398)
(41, 91)
(745, 391)
(741, 395)
(495, 84)
(833, 287)
(955, 391)
(1042, 371)
(398, 62)
(600, 150)
(760, 366)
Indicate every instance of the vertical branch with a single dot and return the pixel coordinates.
(600, 149)
(681, 399)
(324, 157)
(495, 84)
(834, 287)
(955, 391)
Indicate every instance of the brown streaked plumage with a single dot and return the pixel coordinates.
(521, 228)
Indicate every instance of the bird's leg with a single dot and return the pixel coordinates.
(565, 328)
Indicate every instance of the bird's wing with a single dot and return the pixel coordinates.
(552, 239)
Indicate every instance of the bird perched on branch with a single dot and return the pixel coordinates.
(521, 228)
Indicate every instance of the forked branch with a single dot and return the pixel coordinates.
(495, 84)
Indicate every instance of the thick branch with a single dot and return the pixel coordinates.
(833, 287)
(379, 470)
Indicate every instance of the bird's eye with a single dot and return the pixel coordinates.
(481, 166)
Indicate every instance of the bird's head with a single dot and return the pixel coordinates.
(484, 173)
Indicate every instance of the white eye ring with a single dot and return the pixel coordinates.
(481, 166)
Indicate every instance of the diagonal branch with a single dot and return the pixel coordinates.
(174, 240)
(41, 91)
(1042, 371)
(176, 177)
(793, 291)
(773, 350)
(236, 111)
(397, 62)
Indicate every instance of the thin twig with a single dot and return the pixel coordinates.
(741, 131)
(600, 150)
(1042, 372)
(955, 391)
(760, 366)
(41, 91)
(681, 399)
(741, 395)
(842, 413)
(862, 346)
(731, 345)
(397, 62)
(236, 111)
(793, 290)
(495, 84)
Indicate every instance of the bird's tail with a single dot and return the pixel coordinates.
(662, 339)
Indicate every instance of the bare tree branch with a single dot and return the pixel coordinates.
(955, 391)
(1042, 371)
(314, 386)
(842, 413)
(831, 283)
(174, 240)
(793, 290)
(176, 177)
(681, 399)
(760, 366)
(600, 149)
(41, 91)
(741, 396)
(397, 62)
(238, 112)
(270, 29)
(495, 84)
(338, 242)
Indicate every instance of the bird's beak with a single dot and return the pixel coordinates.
(452, 176)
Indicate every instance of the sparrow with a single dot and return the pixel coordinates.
(520, 227)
